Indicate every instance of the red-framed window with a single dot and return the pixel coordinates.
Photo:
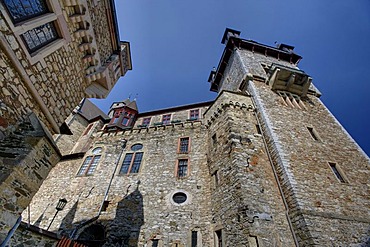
(90, 163)
(146, 121)
(194, 114)
(182, 168)
(184, 145)
(132, 161)
(166, 119)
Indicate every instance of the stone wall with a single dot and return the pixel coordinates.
(246, 203)
(177, 116)
(31, 237)
(26, 157)
(302, 163)
(140, 206)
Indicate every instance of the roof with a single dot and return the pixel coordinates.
(127, 103)
(231, 38)
(176, 108)
(91, 112)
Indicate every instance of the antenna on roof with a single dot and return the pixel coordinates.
(129, 96)
(136, 95)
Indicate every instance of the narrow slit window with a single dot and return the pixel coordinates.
(214, 139)
(258, 128)
(155, 242)
(337, 173)
(313, 133)
(194, 238)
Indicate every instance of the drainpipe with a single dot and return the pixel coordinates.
(111, 179)
(105, 195)
(276, 176)
(11, 232)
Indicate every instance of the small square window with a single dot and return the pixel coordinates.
(146, 121)
(166, 119)
(194, 114)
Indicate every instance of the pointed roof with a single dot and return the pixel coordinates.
(90, 111)
(127, 103)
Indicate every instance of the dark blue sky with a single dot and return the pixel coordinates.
(175, 44)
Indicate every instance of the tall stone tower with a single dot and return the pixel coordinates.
(287, 156)
(264, 164)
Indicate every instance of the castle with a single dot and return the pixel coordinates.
(264, 164)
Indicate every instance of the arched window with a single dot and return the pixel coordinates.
(90, 163)
(132, 161)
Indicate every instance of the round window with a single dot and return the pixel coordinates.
(179, 197)
(136, 147)
(96, 151)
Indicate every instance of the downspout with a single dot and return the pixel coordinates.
(11, 232)
(105, 195)
(5, 47)
(275, 175)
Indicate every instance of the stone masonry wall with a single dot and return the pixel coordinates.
(26, 157)
(176, 116)
(140, 206)
(246, 203)
(77, 125)
(321, 207)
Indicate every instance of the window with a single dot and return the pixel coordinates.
(90, 163)
(105, 206)
(215, 178)
(258, 128)
(40, 36)
(184, 145)
(155, 242)
(313, 133)
(218, 238)
(115, 120)
(166, 119)
(194, 238)
(214, 139)
(182, 168)
(125, 121)
(132, 161)
(194, 114)
(20, 10)
(36, 24)
(179, 197)
(337, 172)
(146, 121)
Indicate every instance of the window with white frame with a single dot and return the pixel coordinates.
(35, 24)
(90, 163)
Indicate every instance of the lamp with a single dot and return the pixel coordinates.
(60, 206)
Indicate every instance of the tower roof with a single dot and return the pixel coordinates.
(90, 111)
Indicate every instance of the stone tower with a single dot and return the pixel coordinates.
(300, 172)
(264, 164)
